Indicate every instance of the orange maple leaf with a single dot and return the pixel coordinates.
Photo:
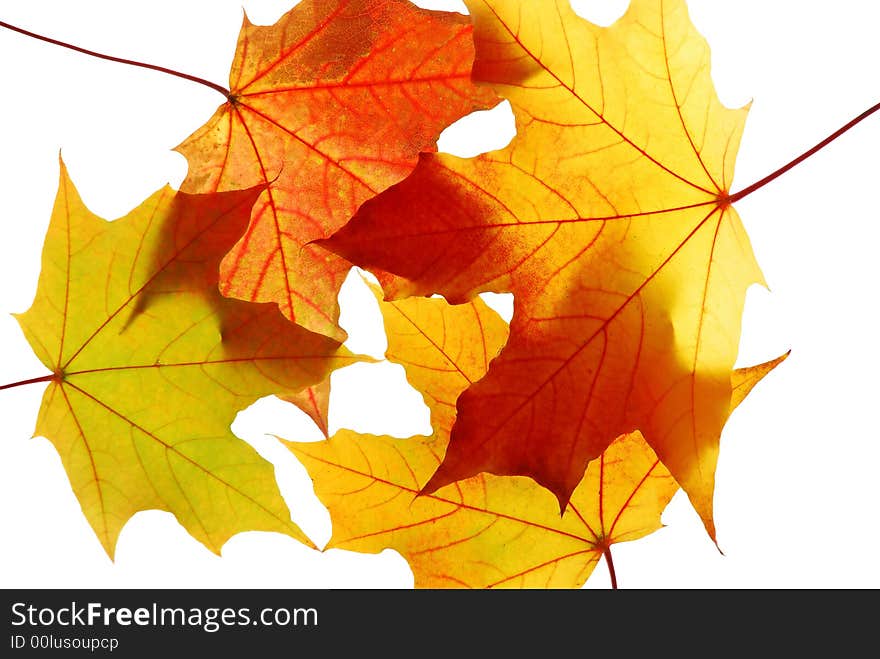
(315, 402)
(328, 107)
(150, 365)
(485, 531)
(609, 218)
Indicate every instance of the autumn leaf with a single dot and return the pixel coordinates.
(443, 349)
(485, 531)
(150, 365)
(328, 107)
(609, 218)
(744, 380)
(315, 402)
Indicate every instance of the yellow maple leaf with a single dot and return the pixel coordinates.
(150, 365)
(485, 531)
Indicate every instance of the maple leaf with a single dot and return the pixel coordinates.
(315, 402)
(443, 349)
(609, 218)
(485, 531)
(151, 364)
(329, 106)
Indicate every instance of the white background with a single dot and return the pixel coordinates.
(797, 492)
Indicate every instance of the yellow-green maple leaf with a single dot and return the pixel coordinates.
(151, 364)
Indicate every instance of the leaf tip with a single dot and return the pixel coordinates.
(709, 524)
(563, 500)
(62, 166)
(109, 545)
(245, 19)
(434, 483)
(307, 541)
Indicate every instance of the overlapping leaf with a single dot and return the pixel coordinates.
(485, 531)
(315, 402)
(443, 349)
(151, 364)
(328, 107)
(608, 217)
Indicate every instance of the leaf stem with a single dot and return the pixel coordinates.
(154, 67)
(607, 554)
(821, 145)
(44, 378)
